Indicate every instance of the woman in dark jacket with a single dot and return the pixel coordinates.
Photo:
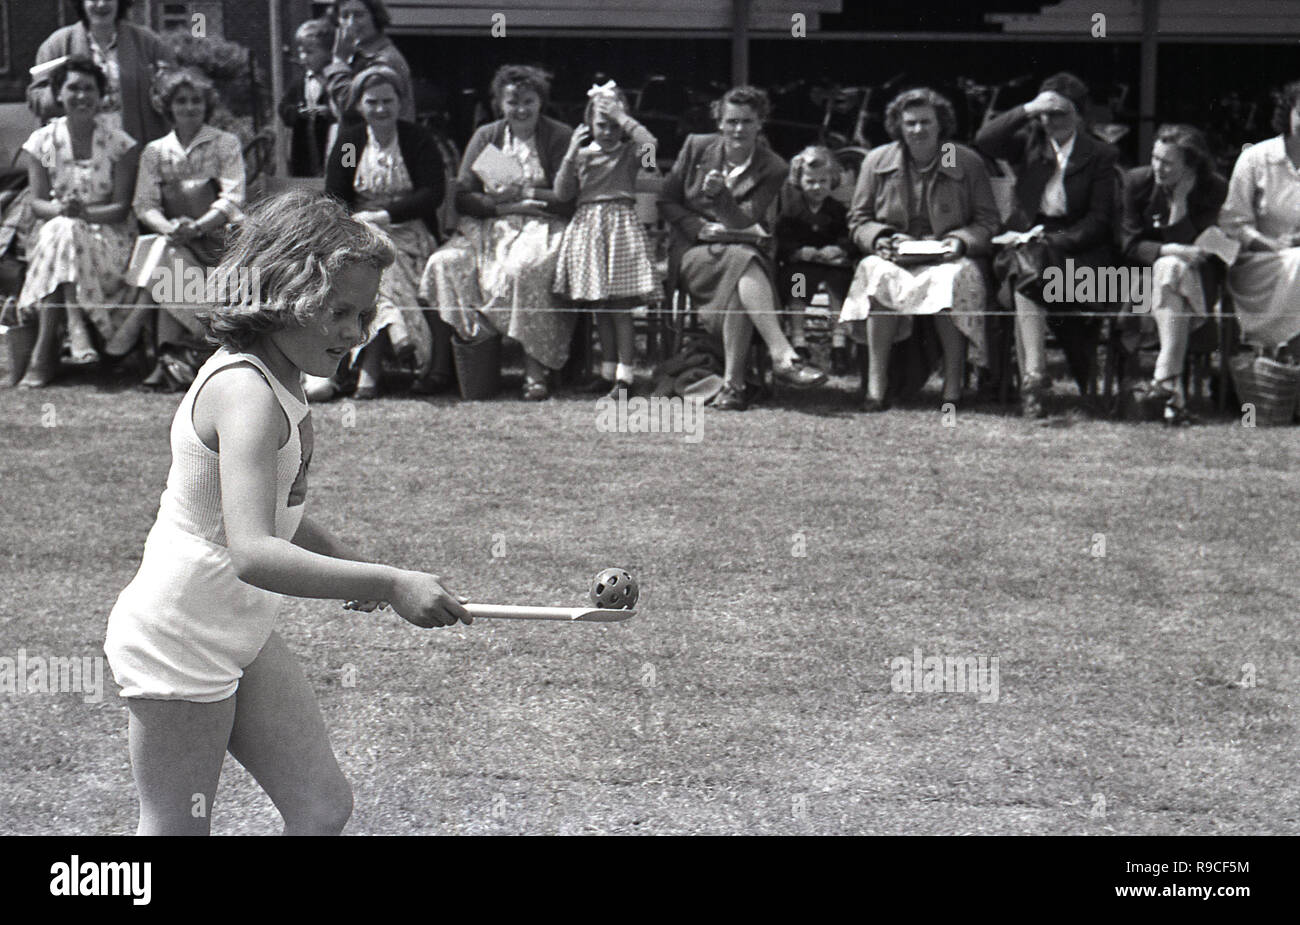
(389, 173)
(1065, 183)
(720, 200)
(498, 271)
(1166, 207)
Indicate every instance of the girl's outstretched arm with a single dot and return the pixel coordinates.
(250, 426)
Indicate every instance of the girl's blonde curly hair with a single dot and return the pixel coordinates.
(292, 246)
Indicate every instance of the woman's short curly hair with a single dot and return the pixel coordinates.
(814, 157)
(79, 64)
(170, 82)
(1287, 101)
(378, 12)
(291, 247)
(524, 76)
(745, 95)
(920, 96)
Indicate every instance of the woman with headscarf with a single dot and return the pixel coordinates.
(389, 173)
(360, 43)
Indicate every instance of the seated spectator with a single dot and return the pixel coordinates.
(130, 56)
(189, 189)
(720, 200)
(360, 43)
(389, 174)
(306, 107)
(1065, 186)
(1166, 207)
(1262, 211)
(921, 187)
(813, 247)
(81, 172)
(499, 268)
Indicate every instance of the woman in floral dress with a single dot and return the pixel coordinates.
(82, 175)
(499, 269)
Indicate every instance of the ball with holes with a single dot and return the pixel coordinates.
(614, 589)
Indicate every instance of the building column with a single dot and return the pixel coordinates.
(740, 42)
(1147, 81)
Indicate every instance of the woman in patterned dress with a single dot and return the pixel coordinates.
(81, 172)
(499, 268)
(389, 173)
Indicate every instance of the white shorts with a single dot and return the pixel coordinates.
(186, 627)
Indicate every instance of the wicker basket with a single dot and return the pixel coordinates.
(1271, 386)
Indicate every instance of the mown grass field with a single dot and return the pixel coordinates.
(1149, 690)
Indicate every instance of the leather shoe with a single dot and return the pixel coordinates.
(799, 374)
(729, 399)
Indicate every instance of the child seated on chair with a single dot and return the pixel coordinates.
(814, 247)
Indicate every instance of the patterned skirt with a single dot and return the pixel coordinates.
(604, 255)
(90, 257)
(397, 304)
(498, 272)
(953, 286)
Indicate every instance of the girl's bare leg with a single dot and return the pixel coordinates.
(624, 337)
(279, 736)
(609, 352)
(797, 310)
(839, 330)
(177, 748)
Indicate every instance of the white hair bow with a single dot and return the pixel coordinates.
(608, 88)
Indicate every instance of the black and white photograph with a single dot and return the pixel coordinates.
(651, 417)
